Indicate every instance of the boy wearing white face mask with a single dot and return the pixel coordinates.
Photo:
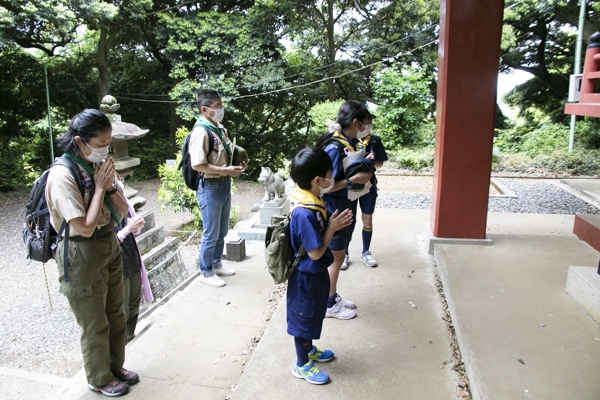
(308, 286)
(214, 189)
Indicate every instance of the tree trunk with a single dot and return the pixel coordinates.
(103, 75)
(331, 49)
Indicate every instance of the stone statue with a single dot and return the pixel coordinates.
(273, 184)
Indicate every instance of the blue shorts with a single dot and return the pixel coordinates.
(341, 238)
(367, 202)
(306, 302)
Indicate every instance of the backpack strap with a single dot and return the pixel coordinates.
(76, 172)
(301, 251)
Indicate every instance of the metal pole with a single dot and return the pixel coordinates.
(577, 67)
(49, 115)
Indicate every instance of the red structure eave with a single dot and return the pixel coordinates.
(583, 109)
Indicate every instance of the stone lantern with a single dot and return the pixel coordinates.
(121, 133)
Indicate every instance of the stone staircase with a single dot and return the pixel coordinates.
(162, 259)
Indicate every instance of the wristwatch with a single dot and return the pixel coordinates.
(348, 183)
(111, 192)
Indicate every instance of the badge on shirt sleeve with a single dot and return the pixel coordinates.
(320, 220)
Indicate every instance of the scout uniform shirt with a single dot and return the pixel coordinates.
(65, 201)
(199, 150)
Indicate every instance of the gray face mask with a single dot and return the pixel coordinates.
(97, 155)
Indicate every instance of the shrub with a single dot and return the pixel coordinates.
(413, 159)
(557, 163)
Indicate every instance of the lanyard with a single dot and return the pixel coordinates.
(208, 125)
(90, 171)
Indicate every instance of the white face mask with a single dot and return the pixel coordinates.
(97, 155)
(219, 113)
(327, 189)
(365, 132)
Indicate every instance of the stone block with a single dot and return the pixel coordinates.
(150, 221)
(166, 269)
(236, 250)
(153, 237)
(267, 210)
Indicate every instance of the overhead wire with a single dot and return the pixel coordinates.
(291, 76)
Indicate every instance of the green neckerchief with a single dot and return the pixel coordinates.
(203, 122)
(339, 137)
(90, 171)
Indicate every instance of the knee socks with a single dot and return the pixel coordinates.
(303, 347)
(367, 234)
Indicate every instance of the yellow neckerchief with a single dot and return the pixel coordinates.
(343, 140)
(364, 142)
(306, 199)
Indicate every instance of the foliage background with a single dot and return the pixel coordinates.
(282, 68)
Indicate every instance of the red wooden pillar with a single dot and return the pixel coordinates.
(468, 59)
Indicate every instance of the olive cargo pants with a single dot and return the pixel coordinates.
(95, 294)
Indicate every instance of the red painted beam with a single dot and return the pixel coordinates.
(587, 227)
(583, 109)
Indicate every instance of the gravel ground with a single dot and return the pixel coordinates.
(38, 332)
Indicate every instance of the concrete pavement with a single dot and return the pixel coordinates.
(507, 301)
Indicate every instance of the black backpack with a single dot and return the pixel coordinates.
(191, 177)
(39, 235)
(278, 249)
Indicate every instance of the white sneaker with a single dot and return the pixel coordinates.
(345, 263)
(212, 280)
(224, 271)
(345, 303)
(368, 259)
(340, 312)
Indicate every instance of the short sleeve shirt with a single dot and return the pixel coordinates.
(337, 159)
(199, 148)
(307, 228)
(65, 201)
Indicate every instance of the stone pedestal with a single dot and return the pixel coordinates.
(270, 208)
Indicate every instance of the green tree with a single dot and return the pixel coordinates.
(405, 104)
(539, 38)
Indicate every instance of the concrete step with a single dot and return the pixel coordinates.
(583, 284)
(149, 219)
(150, 239)
(17, 384)
(166, 269)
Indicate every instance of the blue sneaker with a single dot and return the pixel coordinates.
(320, 355)
(311, 373)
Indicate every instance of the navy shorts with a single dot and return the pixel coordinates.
(341, 238)
(306, 301)
(367, 202)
